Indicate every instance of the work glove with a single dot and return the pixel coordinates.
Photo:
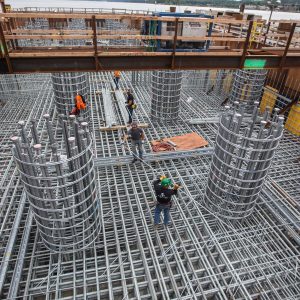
(176, 186)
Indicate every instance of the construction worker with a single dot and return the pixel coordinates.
(164, 193)
(117, 75)
(137, 139)
(80, 105)
(130, 105)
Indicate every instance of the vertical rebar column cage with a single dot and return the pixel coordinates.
(243, 154)
(65, 88)
(166, 89)
(60, 185)
(247, 87)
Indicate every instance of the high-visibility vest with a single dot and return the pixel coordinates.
(117, 73)
(79, 102)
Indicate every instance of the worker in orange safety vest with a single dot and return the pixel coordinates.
(80, 104)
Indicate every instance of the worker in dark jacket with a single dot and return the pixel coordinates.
(130, 105)
(117, 75)
(137, 138)
(164, 193)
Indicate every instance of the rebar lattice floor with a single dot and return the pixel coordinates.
(198, 257)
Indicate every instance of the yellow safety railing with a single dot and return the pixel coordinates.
(256, 32)
(293, 121)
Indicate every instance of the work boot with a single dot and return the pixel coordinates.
(166, 226)
(134, 160)
(155, 226)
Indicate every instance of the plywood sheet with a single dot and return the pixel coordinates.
(187, 141)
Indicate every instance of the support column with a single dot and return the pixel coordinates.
(166, 89)
(65, 87)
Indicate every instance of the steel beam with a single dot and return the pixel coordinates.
(140, 61)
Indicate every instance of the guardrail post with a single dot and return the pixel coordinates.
(94, 27)
(174, 44)
(288, 43)
(246, 44)
(5, 50)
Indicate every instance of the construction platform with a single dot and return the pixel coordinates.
(48, 41)
(199, 256)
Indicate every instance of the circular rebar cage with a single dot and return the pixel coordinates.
(247, 87)
(60, 185)
(65, 88)
(243, 154)
(166, 89)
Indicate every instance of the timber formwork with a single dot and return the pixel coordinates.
(47, 41)
(200, 256)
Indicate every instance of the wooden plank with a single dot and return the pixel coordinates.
(72, 31)
(270, 49)
(48, 37)
(117, 127)
(121, 37)
(211, 38)
(116, 17)
(53, 54)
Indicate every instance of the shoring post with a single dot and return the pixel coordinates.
(5, 50)
(94, 27)
(3, 9)
(174, 44)
(246, 44)
(288, 43)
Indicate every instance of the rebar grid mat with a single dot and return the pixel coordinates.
(242, 157)
(61, 190)
(198, 257)
(65, 88)
(166, 89)
(247, 87)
